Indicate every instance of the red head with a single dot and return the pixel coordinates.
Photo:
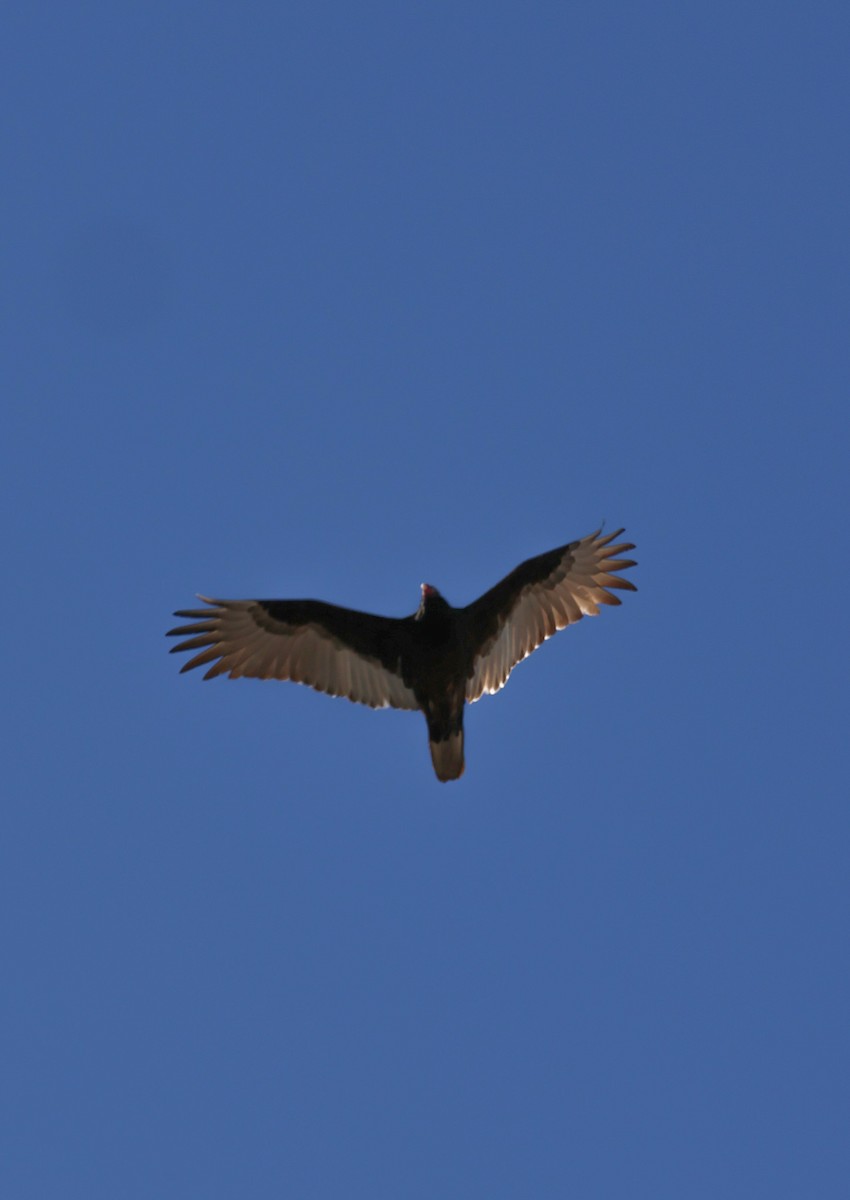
(431, 603)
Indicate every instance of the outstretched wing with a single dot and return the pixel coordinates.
(334, 650)
(538, 598)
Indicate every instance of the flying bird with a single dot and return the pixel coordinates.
(436, 660)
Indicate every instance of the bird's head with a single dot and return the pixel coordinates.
(431, 602)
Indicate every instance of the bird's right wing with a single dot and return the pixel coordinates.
(332, 649)
(539, 597)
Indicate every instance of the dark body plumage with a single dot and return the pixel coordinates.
(436, 660)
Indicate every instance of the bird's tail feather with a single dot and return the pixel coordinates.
(447, 756)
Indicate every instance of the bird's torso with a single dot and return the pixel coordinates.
(437, 657)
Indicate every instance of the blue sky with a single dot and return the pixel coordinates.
(326, 300)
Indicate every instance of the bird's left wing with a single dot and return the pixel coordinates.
(332, 649)
(539, 597)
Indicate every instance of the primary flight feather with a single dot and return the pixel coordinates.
(435, 660)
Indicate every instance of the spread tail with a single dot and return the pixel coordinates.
(447, 756)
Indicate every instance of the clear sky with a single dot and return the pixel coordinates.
(324, 300)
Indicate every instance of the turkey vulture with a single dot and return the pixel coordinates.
(435, 661)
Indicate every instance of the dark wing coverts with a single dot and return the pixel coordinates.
(542, 595)
(332, 649)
